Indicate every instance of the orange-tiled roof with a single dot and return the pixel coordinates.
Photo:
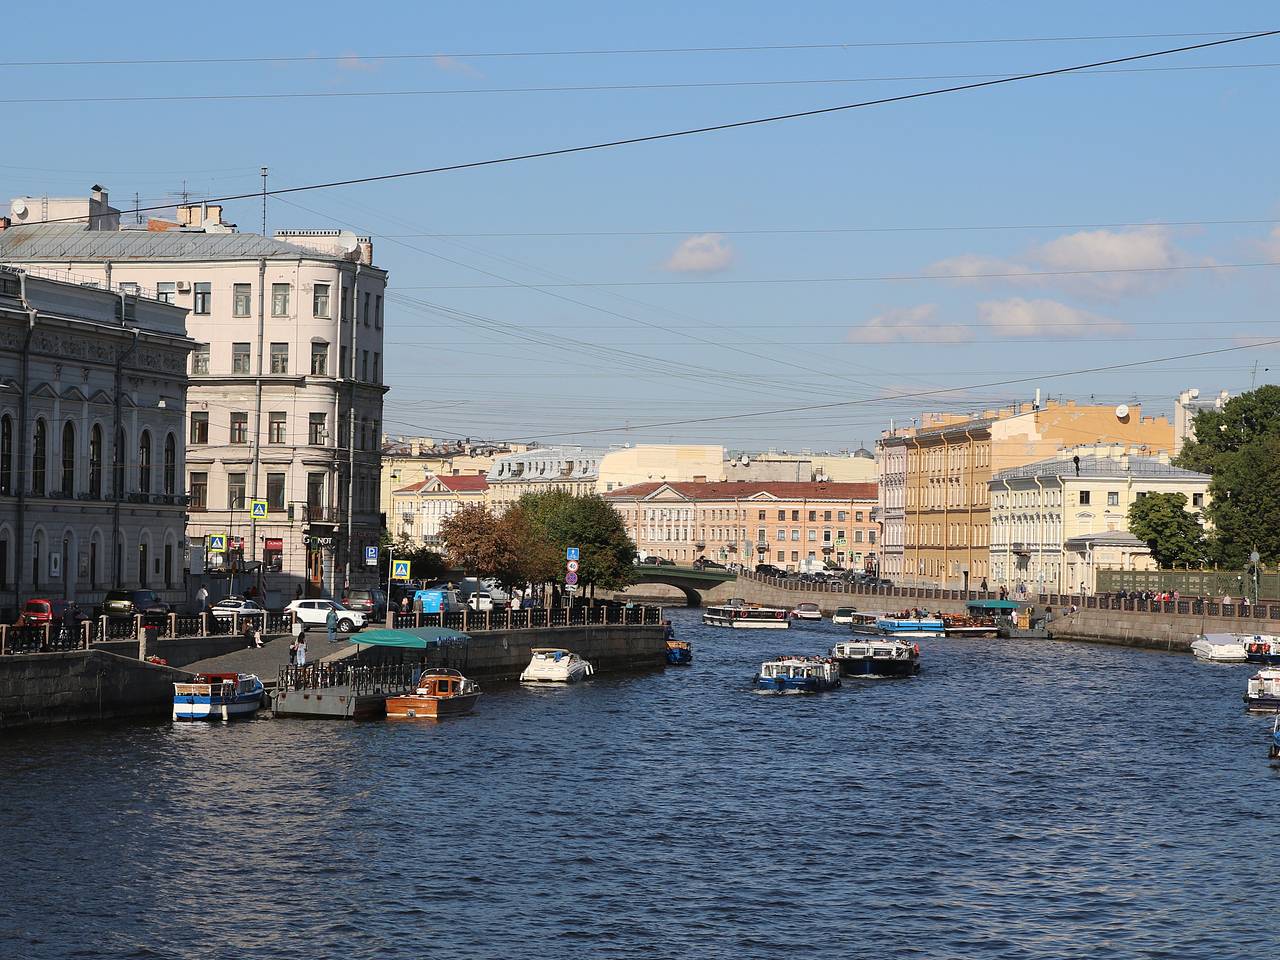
(468, 483)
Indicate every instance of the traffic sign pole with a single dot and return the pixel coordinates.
(391, 561)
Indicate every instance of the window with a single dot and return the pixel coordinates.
(241, 295)
(795, 533)
(1084, 498)
(39, 453)
(276, 422)
(377, 311)
(1113, 498)
(279, 358)
(842, 515)
(813, 536)
(275, 491)
(366, 308)
(342, 362)
(200, 358)
(858, 516)
(317, 429)
(315, 491)
(813, 515)
(199, 429)
(795, 556)
(782, 534)
(320, 301)
(165, 291)
(117, 465)
(346, 302)
(170, 465)
(760, 535)
(377, 359)
(239, 428)
(795, 515)
(857, 536)
(871, 536)
(1197, 499)
(319, 359)
(142, 564)
(240, 358)
(203, 302)
(144, 462)
(280, 299)
(344, 429)
(198, 488)
(6, 455)
(68, 484)
(364, 366)
(235, 491)
(782, 556)
(826, 515)
(95, 462)
(168, 564)
(762, 515)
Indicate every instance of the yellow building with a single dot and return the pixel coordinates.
(935, 478)
(406, 461)
(657, 462)
(1056, 522)
(418, 509)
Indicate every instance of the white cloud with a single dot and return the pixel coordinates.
(1017, 317)
(1271, 245)
(909, 324)
(701, 253)
(974, 265)
(453, 65)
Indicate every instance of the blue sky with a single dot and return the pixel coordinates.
(729, 273)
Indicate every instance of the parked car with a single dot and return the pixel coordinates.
(480, 601)
(703, 563)
(371, 602)
(38, 612)
(769, 570)
(315, 614)
(126, 604)
(659, 561)
(227, 607)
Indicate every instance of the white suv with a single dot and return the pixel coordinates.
(315, 613)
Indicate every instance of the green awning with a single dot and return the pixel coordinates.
(407, 639)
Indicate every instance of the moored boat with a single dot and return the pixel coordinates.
(440, 692)
(679, 652)
(910, 624)
(797, 674)
(877, 657)
(806, 611)
(746, 616)
(1220, 648)
(1274, 752)
(217, 696)
(843, 615)
(1260, 647)
(555, 665)
(864, 624)
(1262, 694)
(969, 625)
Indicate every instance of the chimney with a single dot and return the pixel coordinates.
(364, 252)
(98, 194)
(5, 224)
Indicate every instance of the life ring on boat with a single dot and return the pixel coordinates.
(916, 648)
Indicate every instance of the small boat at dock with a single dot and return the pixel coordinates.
(741, 615)
(806, 611)
(877, 657)
(908, 624)
(1220, 648)
(1274, 752)
(441, 692)
(679, 652)
(968, 625)
(843, 615)
(1260, 648)
(797, 674)
(864, 624)
(1262, 694)
(217, 696)
(555, 665)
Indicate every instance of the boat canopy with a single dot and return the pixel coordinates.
(408, 639)
(993, 605)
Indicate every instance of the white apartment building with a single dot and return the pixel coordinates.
(92, 394)
(572, 469)
(285, 401)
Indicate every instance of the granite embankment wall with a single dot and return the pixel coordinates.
(45, 688)
(1152, 631)
(177, 651)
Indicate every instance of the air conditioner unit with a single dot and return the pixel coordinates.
(184, 286)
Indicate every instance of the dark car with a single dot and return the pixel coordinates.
(126, 604)
(702, 563)
(371, 602)
(769, 570)
(660, 561)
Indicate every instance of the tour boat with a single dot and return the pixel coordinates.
(217, 696)
(1261, 648)
(555, 665)
(679, 652)
(1262, 695)
(806, 611)
(797, 674)
(877, 657)
(1220, 648)
(843, 615)
(1274, 752)
(908, 626)
(864, 624)
(441, 692)
(968, 625)
(743, 616)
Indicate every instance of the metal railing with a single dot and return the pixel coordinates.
(470, 621)
(359, 680)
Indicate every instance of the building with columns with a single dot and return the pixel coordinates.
(418, 510)
(285, 401)
(570, 469)
(93, 386)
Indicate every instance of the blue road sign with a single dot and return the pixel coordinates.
(399, 569)
(571, 553)
(258, 509)
(217, 542)
(370, 556)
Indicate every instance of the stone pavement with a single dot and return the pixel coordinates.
(266, 661)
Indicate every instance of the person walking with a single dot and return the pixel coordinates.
(202, 599)
(331, 625)
(301, 657)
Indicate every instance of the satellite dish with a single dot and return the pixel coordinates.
(19, 208)
(746, 461)
(1122, 411)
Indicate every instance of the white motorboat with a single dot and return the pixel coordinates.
(843, 615)
(806, 611)
(1220, 648)
(555, 665)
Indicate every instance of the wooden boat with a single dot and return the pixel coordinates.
(969, 625)
(679, 652)
(441, 693)
(217, 696)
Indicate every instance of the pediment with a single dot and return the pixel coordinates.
(667, 494)
(101, 397)
(763, 495)
(74, 395)
(45, 392)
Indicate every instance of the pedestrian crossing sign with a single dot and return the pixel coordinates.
(258, 509)
(217, 542)
(399, 569)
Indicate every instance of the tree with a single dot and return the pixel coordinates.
(1171, 531)
(555, 520)
(424, 563)
(1220, 434)
(480, 543)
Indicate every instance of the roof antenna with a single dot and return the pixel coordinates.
(264, 201)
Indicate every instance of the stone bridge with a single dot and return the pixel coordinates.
(694, 583)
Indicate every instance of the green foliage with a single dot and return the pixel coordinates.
(1239, 446)
(424, 563)
(556, 520)
(1173, 534)
(480, 543)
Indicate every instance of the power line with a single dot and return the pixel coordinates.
(578, 88)
(634, 51)
(718, 127)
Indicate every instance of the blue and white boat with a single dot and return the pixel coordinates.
(905, 626)
(1261, 648)
(797, 675)
(874, 657)
(1274, 752)
(217, 696)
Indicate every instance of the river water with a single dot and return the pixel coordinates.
(1016, 800)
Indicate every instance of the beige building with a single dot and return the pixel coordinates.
(285, 402)
(940, 473)
(856, 467)
(646, 462)
(574, 470)
(1056, 522)
(418, 510)
(410, 460)
(1185, 409)
(93, 386)
(793, 525)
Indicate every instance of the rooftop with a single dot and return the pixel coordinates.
(745, 489)
(1130, 466)
(468, 483)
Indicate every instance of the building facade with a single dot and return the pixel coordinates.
(285, 402)
(93, 389)
(1056, 522)
(1185, 409)
(410, 460)
(950, 460)
(793, 525)
(419, 509)
(574, 470)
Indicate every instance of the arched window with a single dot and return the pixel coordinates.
(170, 465)
(6, 455)
(40, 460)
(144, 462)
(95, 462)
(68, 459)
(117, 466)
